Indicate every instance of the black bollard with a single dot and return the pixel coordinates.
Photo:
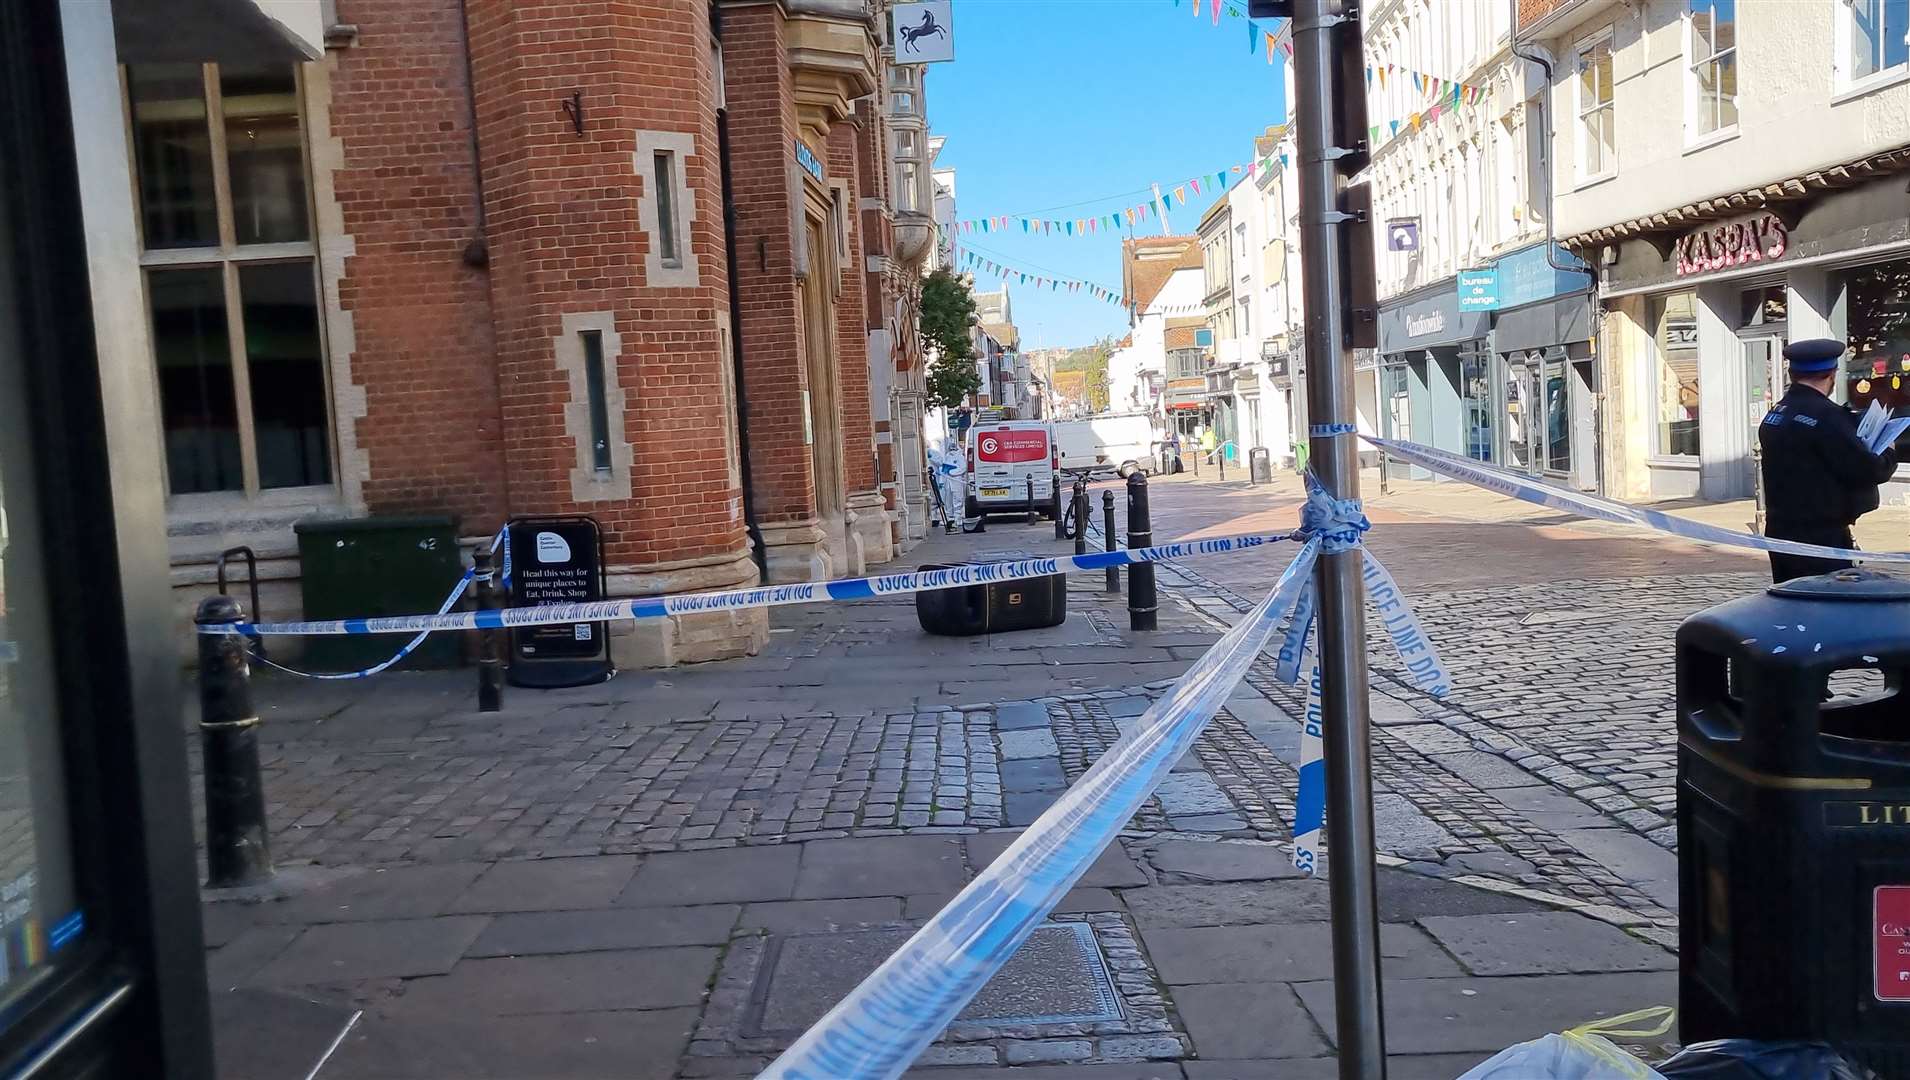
(1032, 515)
(1060, 519)
(1220, 459)
(1142, 605)
(490, 597)
(238, 848)
(1081, 512)
(1114, 542)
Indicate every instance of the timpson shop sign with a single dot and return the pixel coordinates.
(1758, 238)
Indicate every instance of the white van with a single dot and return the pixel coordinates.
(1121, 442)
(1002, 457)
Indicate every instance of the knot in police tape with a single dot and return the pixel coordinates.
(876, 1031)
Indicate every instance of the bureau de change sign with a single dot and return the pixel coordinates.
(557, 560)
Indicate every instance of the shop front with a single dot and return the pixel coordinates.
(1707, 308)
(1543, 369)
(1434, 386)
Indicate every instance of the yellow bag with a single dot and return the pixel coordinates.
(1581, 1053)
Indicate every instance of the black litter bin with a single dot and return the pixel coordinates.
(1794, 817)
(994, 607)
(1260, 465)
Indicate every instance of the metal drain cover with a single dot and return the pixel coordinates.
(1057, 977)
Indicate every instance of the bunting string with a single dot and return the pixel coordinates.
(1008, 275)
(1172, 197)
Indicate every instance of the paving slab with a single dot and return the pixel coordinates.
(1543, 943)
(396, 892)
(1150, 1070)
(1407, 1067)
(818, 916)
(1247, 1020)
(573, 983)
(1292, 953)
(549, 884)
(1021, 716)
(1023, 807)
(1024, 745)
(1400, 828)
(1112, 870)
(1037, 774)
(1057, 972)
(337, 953)
(238, 960)
(1550, 809)
(1192, 794)
(722, 876)
(630, 1045)
(1191, 862)
(273, 1035)
(1486, 1015)
(880, 866)
(1487, 770)
(1403, 897)
(541, 933)
(1632, 857)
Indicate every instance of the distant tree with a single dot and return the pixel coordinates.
(1092, 359)
(947, 321)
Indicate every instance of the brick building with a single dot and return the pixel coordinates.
(638, 260)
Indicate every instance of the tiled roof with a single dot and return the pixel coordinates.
(1147, 262)
(1003, 332)
(1179, 337)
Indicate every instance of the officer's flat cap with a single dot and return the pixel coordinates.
(1813, 354)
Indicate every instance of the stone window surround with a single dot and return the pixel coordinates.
(682, 147)
(587, 484)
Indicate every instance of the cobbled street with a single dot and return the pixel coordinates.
(676, 871)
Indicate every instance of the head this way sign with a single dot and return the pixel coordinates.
(923, 32)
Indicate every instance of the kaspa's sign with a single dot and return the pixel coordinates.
(1758, 238)
(923, 32)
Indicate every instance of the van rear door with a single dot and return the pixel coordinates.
(1004, 459)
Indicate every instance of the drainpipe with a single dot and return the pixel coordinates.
(741, 419)
(478, 252)
(1538, 54)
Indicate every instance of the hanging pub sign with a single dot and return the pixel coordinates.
(1758, 238)
(557, 560)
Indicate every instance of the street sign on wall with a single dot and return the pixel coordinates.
(923, 32)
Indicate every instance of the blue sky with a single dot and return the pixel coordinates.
(1053, 106)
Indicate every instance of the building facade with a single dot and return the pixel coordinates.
(1484, 335)
(656, 268)
(1735, 172)
(1163, 283)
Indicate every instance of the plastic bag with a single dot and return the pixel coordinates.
(1745, 1059)
(1582, 1053)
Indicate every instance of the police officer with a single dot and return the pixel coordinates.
(1819, 478)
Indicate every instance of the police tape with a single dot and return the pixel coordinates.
(1529, 490)
(450, 601)
(887, 1020)
(880, 1027)
(809, 592)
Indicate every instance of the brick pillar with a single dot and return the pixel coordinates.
(868, 514)
(578, 256)
(412, 349)
(762, 124)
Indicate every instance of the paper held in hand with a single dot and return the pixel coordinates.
(1878, 429)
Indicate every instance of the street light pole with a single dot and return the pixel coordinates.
(1321, 28)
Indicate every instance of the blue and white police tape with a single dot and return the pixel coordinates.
(656, 607)
(457, 593)
(1505, 482)
(1340, 524)
(887, 1020)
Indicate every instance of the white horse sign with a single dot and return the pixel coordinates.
(923, 32)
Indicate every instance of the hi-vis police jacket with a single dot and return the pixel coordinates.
(1818, 476)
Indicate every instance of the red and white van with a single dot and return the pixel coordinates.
(1002, 457)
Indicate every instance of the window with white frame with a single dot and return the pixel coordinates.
(1873, 37)
(907, 186)
(1597, 128)
(231, 276)
(1711, 59)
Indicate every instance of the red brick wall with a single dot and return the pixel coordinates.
(420, 316)
(566, 237)
(762, 124)
(852, 333)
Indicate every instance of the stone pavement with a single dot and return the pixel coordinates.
(672, 873)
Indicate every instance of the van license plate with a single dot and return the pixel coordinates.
(992, 492)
